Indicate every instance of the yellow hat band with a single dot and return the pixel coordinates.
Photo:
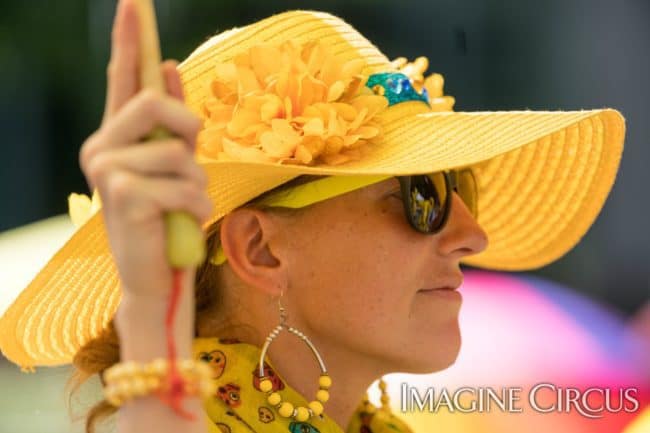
(309, 193)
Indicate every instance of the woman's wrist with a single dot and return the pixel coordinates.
(140, 323)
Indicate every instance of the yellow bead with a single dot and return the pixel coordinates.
(139, 386)
(130, 393)
(274, 399)
(322, 395)
(302, 414)
(122, 388)
(266, 385)
(158, 366)
(325, 381)
(286, 410)
(114, 372)
(385, 399)
(316, 407)
(130, 368)
(109, 375)
(152, 383)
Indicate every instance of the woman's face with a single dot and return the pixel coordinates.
(357, 268)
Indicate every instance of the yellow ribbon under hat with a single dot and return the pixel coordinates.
(309, 193)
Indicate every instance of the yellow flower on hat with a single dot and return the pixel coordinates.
(433, 83)
(291, 104)
(81, 207)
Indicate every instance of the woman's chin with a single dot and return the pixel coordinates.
(439, 354)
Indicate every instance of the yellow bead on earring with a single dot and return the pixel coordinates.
(316, 407)
(302, 414)
(284, 408)
(266, 385)
(322, 395)
(325, 382)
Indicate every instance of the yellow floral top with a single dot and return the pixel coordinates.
(240, 407)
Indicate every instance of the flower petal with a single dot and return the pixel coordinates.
(271, 109)
(434, 83)
(367, 131)
(314, 126)
(443, 103)
(352, 67)
(78, 208)
(241, 153)
(335, 91)
(242, 119)
(274, 146)
(303, 154)
(283, 128)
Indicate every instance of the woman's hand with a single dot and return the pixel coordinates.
(138, 182)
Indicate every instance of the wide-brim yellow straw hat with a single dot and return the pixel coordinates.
(290, 95)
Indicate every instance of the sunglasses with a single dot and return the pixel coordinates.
(427, 197)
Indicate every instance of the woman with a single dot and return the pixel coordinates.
(366, 268)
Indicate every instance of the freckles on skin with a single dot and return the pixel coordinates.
(355, 268)
(355, 282)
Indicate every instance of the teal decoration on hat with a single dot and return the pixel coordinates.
(397, 88)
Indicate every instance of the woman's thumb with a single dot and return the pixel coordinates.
(172, 79)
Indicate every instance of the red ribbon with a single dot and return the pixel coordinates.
(175, 384)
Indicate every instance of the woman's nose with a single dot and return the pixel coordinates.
(462, 235)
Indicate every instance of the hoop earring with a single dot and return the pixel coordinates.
(285, 408)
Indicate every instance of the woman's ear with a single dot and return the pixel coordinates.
(249, 238)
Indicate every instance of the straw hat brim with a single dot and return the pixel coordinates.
(542, 176)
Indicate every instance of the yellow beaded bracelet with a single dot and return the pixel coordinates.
(127, 380)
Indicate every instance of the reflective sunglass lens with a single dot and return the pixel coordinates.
(427, 201)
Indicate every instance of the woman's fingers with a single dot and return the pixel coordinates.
(172, 79)
(122, 70)
(148, 109)
(139, 198)
(159, 158)
(137, 118)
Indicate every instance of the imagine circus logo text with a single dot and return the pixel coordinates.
(543, 398)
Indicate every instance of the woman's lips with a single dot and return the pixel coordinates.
(438, 288)
(443, 293)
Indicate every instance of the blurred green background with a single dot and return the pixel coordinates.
(494, 55)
